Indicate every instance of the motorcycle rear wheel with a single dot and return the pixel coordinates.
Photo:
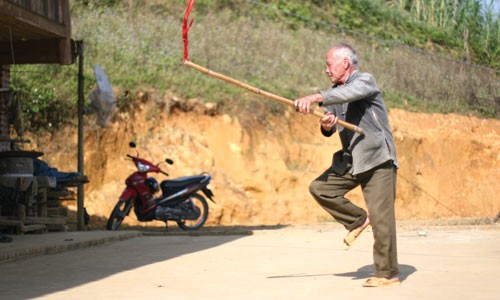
(201, 203)
(121, 210)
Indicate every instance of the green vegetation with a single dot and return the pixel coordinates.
(414, 49)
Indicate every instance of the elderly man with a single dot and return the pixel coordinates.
(367, 160)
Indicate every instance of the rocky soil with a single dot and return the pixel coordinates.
(450, 164)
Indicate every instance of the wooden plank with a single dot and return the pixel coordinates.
(42, 201)
(57, 211)
(75, 181)
(37, 52)
(66, 56)
(11, 221)
(8, 221)
(66, 16)
(67, 199)
(36, 227)
(46, 220)
(21, 228)
(50, 9)
(19, 16)
(51, 194)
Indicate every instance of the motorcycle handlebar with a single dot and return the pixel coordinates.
(163, 172)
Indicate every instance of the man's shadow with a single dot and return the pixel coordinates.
(362, 273)
(368, 271)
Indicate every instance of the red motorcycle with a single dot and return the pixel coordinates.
(180, 199)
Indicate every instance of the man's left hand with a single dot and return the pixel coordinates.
(328, 121)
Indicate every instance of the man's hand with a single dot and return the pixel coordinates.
(303, 104)
(328, 121)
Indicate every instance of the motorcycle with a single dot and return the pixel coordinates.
(180, 200)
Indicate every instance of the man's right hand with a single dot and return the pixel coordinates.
(303, 104)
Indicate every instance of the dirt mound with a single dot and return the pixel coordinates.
(450, 164)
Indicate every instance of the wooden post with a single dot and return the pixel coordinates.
(80, 190)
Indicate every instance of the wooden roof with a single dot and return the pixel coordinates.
(35, 31)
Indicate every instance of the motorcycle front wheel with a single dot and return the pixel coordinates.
(195, 202)
(121, 210)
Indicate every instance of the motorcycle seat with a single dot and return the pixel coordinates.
(183, 181)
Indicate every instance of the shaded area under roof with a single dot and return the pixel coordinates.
(35, 31)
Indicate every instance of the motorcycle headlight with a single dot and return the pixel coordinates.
(142, 167)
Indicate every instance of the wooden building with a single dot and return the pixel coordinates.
(32, 32)
(35, 31)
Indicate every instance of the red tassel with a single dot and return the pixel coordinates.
(185, 28)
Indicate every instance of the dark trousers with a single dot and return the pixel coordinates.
(379, 190)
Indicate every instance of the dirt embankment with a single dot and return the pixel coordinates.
(450, 164)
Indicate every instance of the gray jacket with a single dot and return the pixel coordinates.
(359, 102)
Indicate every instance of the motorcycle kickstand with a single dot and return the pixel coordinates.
(166, 225)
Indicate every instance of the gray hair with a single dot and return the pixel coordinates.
(346, 50)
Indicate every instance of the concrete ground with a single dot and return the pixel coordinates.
(282, 262)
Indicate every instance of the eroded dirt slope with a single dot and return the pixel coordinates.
(450, 164)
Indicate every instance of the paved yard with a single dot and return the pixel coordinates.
(304, 262)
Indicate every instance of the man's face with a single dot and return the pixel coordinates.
(336, 67)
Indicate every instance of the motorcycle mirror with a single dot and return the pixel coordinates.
(132, 145)
(169, 161)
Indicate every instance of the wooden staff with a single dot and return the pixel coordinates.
(255, 90)
(186, 25)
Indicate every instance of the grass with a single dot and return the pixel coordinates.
(139, 45)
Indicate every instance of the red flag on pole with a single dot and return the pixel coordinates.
(185, 28)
